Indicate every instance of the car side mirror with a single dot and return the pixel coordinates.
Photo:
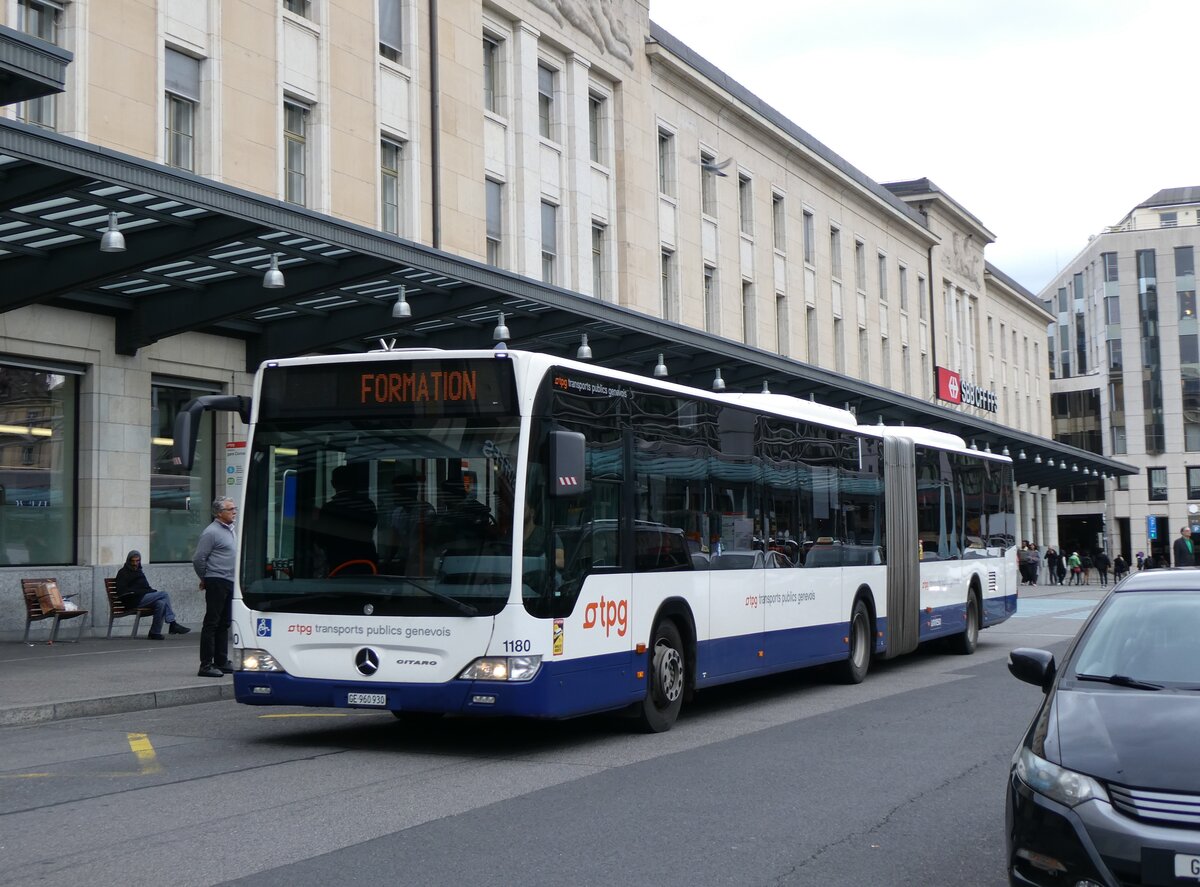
(1032, 666)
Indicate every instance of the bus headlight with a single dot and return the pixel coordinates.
(255, 660)
(502, 668)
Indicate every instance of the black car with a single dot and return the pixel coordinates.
(1105, 786)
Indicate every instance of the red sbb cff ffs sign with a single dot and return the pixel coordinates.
(952, 388)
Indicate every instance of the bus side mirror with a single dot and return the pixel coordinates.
(566, 463)
(187, 423)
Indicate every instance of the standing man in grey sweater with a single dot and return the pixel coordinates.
(214, 563)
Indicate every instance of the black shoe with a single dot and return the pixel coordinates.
(155, 637)
(176, 628)
(207, 671)
(225, 667)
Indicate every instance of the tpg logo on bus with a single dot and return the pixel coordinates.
(612, 614)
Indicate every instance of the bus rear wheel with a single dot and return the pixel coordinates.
(854, 669)
(665, 680)
(965, 643)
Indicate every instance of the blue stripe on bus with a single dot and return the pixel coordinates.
(566, 688)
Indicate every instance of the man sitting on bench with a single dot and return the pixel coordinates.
(134, 591)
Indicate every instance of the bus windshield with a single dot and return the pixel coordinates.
(404, 517)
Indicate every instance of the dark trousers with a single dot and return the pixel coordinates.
(214, 634)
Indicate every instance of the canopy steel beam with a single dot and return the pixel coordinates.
(31, 280)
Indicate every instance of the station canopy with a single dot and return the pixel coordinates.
(196, 253)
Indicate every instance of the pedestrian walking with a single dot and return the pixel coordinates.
(1075, 565)
(1102, 564)
(1052, 560)
(1035, 564)
(1120, 568)
(1141, 560)
(1181, 551)
(214, 564)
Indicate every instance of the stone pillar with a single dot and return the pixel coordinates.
(1026, 513)
(1052, 518)
(525, 191)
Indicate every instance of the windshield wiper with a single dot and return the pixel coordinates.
(1120, 680)
(464, 608)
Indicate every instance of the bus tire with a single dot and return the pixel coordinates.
(964, 644)
(666, 677)
(858, 662)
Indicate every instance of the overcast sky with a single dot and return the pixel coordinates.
(1046, 119)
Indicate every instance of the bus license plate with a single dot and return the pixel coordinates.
(1187, 867)
(379, 699)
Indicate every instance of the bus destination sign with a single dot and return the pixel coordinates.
(432, 387)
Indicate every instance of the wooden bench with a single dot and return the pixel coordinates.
(35, 611)
(118, 610)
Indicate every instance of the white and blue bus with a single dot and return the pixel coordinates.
(507, 533)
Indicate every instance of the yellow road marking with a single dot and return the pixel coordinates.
(26, 776)
(321, 714)
(139, 744)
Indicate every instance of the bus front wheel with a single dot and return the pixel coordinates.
(854, 669)
(665, 679)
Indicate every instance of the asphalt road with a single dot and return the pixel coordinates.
(792, 780)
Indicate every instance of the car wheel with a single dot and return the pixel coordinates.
(858, 662)
(665, 680)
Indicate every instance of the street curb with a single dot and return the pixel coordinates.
(24, 715)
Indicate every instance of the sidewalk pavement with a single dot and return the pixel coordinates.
(100, 676)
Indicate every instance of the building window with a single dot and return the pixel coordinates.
(883, 287)
(839, 346)
(495, 227)
(666, 163)
(599, 261)
(811, 331)
(903, 289)
(922, 298)
(1168, 220)
(491, 74)
(860, 266)
(778, 223)
(295, 135)
(549, 243)
(546, 83)
(708, 184)
(38, 434)
(182, 99)
(1157, 484)
(1110, 267)
(712, 304)
(781, 324)
(835, 253)
(41, 20)
(667, 284)
(905, 369)
(864, 356)
(178, 497)
(391, 31)
(390, 156)
(748, 320)
(809, 239)
(597, 137)
(1193, 483)
(299, 7)
(745, 206)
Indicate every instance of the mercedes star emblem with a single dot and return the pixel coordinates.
(366, 661)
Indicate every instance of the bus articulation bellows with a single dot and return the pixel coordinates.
(488, 533)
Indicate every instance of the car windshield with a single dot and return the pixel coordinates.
(398, 518)
(1146, 637)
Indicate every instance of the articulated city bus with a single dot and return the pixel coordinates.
(504, 532)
